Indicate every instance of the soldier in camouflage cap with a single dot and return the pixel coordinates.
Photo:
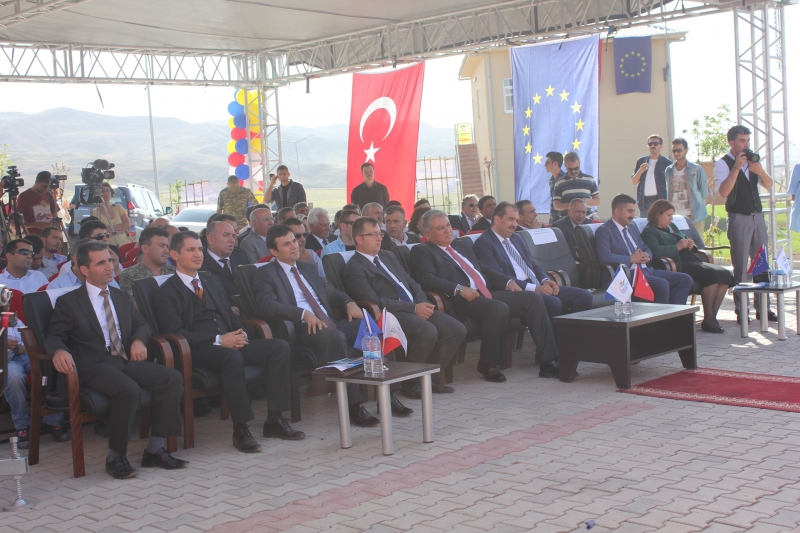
(154, 245)
(234, 200)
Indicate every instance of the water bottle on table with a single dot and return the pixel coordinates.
(371, 348)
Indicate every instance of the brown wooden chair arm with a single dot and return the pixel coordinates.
(180, 347)
(560, 277)
(669, 264)
(160, 348)
(371, 307)
(704, 256)
(437, 300)
(258, 328)
(32, 347)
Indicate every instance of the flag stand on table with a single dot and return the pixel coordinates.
(393, 336)
(620, 288)
(759, 264)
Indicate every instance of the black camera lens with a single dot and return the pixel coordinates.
(751, 156)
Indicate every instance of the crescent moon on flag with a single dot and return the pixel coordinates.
(384, 102)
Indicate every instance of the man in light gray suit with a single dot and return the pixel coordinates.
(255, 244)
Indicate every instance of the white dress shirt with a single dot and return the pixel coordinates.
(518, 271)
(302, 303)
(50, 265)
(187, 280)
(404, 241)
(721, 170)
(371, 259)
(472, 284)
(30, 282)
(100, 311)
(650, 188)
(219, 260)
(69, 279)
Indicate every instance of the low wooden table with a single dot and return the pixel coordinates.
(395, 373)
(601, 336)
(763, 310)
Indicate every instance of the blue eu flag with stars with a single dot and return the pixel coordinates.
(633, 64)
(555, 97)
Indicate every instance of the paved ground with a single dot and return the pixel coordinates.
(528, 455)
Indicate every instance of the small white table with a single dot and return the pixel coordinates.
(395, 373)
(763, 309)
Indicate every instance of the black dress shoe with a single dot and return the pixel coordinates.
(359, 416)
(57, 432)
(120, 468)
(491, 373)
(281, 429)
(771, 316)
(162, 459)
(551, 370)
(244, 441)
(748, 316)
(711, 329)
(414, 392)
(398, 408)
(201, 407)
(438, 388)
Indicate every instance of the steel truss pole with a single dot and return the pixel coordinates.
(762, 105)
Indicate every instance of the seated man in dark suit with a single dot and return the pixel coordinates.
(486, 206)
(222, 257)
(433, 337)
(619, 243)
(528, 217)
(396, 235)
(451, 267)
(464, 221)
(319, 227)
(195, 304)
(290, 289)
(97, 330)
(576, 216)
(504, 251)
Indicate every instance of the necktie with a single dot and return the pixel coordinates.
(197, 290)
(113, 336)
(324, 242)
(628, 243)
(225, 265)
(315, 307)
(514, 253)
(402, 294)
(473, 275)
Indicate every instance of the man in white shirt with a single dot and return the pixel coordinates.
(345, 241)
(52, 247)
(255, 244)
(648, 175)
(19, 276)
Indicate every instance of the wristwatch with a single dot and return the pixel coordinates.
(459, 288)
(218, 340)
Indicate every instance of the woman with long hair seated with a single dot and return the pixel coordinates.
(664, 239)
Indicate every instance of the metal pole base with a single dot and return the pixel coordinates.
(19, 505)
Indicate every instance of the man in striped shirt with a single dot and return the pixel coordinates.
(575, 184)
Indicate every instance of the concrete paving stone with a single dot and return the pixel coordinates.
(785, 518)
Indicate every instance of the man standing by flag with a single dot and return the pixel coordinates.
(738, 175)
(370, 191)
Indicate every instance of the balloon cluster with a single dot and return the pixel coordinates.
(244, 139)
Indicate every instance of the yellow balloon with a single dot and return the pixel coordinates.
(231, 125)
(255, 128)
(252, 97)
(256, 144)
(231, 146)
(240, 96)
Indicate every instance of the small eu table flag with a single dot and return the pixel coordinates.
(633, 64)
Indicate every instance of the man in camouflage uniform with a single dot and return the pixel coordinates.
(234, 200)
(154, 244)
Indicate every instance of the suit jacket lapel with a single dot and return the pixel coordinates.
(287, 286)
(88, 309)
(123, 316)
(219, 305)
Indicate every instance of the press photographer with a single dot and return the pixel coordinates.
(37, 205)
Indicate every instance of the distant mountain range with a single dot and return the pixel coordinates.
(185, 151)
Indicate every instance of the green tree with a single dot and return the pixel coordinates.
(175, 193)
(711, 134)
(5, 159)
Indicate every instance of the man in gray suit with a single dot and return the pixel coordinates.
(255, 244)
(375, 275)
(292, 290)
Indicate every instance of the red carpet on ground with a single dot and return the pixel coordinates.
(762, 391)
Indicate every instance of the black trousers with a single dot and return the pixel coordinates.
(530, 308)
(331, 345)
(270, 353)
(434, 341)
(122, 381)
(492, 314)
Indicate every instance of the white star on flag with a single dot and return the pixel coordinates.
(371, 152)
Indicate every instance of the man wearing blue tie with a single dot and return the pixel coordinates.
(619, 243)
(503, 250)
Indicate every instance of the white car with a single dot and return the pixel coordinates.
(194, 217)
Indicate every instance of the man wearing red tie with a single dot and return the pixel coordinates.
(451, 267)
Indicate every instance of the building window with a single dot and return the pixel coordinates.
(508, 95)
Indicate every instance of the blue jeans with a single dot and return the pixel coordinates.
(18, 367)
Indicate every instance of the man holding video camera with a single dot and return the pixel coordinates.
(738, 174)
(37, 205)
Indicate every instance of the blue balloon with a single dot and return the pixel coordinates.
(240, 121)
(235, 108)
(242, 172)
(241, 147)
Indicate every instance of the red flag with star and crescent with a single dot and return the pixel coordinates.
(641, 288)
(384, 129)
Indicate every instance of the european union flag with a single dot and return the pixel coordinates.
(368, 326)
(633, 61)
(555, 96)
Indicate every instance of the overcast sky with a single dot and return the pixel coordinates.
(703, 78)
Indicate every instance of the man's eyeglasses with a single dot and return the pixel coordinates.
(472, 205)
(22, 252)
(574, 170)
(300, 235)
(374, 234)
(654, 143)
(678, 151)
(101, 236)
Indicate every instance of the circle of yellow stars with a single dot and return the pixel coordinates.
(537, 100)
(634, 74)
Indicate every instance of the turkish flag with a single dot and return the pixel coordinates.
(641, 288)
(384, 129)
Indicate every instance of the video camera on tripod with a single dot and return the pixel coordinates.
(11, 182)
(93, 176)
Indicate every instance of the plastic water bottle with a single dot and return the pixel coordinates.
(773, 273)
(371, 347)
(627, 308)
(617, 307)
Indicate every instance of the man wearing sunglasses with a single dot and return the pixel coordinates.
(306, 256)
(345, 241)
(575, 184)
(687, 186)
(649, 175)
(468, 217)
